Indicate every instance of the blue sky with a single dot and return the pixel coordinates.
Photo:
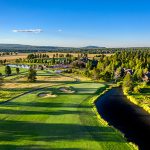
(110, 23)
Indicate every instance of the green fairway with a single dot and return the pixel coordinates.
(62, 122)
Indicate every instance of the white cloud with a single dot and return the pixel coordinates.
(28, 30)
(60, 30)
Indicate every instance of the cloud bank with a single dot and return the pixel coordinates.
(28, 30)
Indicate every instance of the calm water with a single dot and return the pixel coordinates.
(130, 119)
(19, 66)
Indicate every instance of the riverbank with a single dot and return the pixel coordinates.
(142, 99)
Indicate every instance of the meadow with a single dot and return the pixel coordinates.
(64, 121)
(24, 55)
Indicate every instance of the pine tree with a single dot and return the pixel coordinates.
(96, 74)
(17, 70)
(53, 61)
(140, 74)
(1, 79)
(32, 75)
(128, 83)
(8, 70)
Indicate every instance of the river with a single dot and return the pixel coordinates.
(130, 119)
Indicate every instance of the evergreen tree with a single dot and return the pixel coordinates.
(118, 73)
(1, 79)
(53, 61)
(128, 83)
(17, 70)
(7, 70)
(96, 74)
(87, 73)
(32, 75)
(139, 74)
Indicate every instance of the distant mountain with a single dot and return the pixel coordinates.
(23, 46)
(20, 47)
(31, 48)
(92, 47)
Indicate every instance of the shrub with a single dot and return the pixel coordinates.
(137, 89)
(127, 90)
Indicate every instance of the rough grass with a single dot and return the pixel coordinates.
(142, 99)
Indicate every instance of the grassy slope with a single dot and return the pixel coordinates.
(63, 122)
(143, 98)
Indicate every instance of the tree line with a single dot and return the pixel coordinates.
(127, 66)
(8, 53)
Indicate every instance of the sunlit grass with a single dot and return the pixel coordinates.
(62, 122)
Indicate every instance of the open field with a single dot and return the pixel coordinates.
(24, 55)
(64, 121)
(14, 57)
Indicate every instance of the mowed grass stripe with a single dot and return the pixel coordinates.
(62, 122)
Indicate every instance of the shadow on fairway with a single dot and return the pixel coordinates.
(16, 130)
(31, 147)
(27, 112)
(44, 104)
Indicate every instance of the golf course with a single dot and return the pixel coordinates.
(54, 113)
(74, 75)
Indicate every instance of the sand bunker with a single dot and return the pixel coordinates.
(46, 95)
(66, 90)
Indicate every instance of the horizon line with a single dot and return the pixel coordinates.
(75, 47)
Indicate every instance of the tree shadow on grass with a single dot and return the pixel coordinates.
(78, 91)
(44, 104)
(29, 112)
(41, 81)
(31, 147)
(16, 130)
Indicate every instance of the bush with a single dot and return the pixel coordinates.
(137, 89)
(68, 71)
(127, 90)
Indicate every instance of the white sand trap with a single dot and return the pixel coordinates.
(66, 90)
(46, 95)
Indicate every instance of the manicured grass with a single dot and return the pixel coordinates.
(18, 84)
(8, 94)
(63, 122)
